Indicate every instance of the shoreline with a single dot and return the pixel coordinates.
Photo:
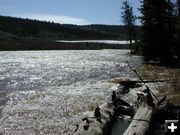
(13, 44)
(157, 89)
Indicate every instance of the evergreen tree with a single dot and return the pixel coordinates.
(158, 30)
(178, 28)
(178, 7)
(129, 19)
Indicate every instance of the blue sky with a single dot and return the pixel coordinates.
(68, 11)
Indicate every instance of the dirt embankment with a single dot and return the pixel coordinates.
(172, 75)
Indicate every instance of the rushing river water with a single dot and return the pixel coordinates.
(47, 92)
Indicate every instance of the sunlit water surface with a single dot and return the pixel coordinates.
(47, 92)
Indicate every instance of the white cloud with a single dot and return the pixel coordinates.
(54, 18)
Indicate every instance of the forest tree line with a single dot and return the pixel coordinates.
(42, 29)
(161, 31)
(160, 26)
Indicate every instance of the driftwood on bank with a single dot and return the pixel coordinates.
(141, 120)
(106, 114)
(126, 85)
(133, 83)
(94, 125)
(100, 121)
(127, 82)
(140, 123)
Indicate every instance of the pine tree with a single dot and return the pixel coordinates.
(158, 30)
(129, 19)
(178, 29)
(178, 7)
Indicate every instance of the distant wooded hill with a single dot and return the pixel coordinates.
(41, 29)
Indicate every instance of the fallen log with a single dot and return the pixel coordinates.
(134, 82)
(126, 85)
(141, 121)
(93, 125)
(100, 122)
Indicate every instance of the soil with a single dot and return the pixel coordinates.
(171, 89)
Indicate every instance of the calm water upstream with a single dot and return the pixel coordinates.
(48, 91)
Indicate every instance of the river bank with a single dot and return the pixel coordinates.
(16, 43)
(161, 86)
(172, 75)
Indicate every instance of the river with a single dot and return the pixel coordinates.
(47, 92)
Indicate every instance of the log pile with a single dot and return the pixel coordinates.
(100, 122)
